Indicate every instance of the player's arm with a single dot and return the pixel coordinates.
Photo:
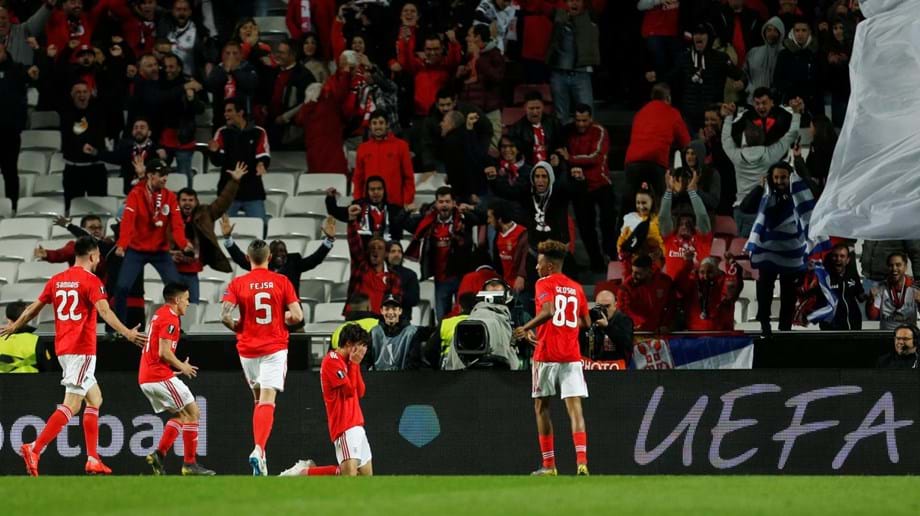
(545, 314)
(27, 315)
(166, 354)
(294, 314)
(334, 378)
(105, 311)
(226, 315)
(357, 379)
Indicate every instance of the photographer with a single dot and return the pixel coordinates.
(611, 333)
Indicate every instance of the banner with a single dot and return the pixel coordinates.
(818, 421)
(708, 352)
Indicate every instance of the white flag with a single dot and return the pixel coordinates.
(873, 189)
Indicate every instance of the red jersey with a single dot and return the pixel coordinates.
(557, 339)
(510, 251)
(164, 325)
(262, 297)
(676, 248)
(342, 386)
(73, 295)
(440, 246)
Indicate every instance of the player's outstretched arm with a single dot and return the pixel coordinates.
(294, 314)
(226, 315)
(167, 355)
(132, 334)
(546, 313)
(27, 315)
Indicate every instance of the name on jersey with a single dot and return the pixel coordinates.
(565, 290)
(67, 284)
(261, 285)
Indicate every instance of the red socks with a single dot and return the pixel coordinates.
(53, 427)
(190, 442)
(322, 471)
(91, 430)
(581, 447)
(170, 433)
(262, 419)
(546, 447)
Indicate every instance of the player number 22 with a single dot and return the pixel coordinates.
(70, 314)
(262, 304)
(560, 316)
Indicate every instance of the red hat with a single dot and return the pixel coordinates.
(84, 48)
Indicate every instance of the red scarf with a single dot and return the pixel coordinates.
(425, 228)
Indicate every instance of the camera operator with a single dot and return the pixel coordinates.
(611, 333)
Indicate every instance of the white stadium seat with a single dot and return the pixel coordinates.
(271, 25)
(27, 292)
(210, 292)
(338, 252)
(48, 186)
(39, 272)
(296, 244)
(33, 162)
(40, 207)
(102, 206)
(210, 313)
(274, 203)
(44, 120)
(329, 272)
(291, 227)
(288, 160)
(328, 312)
(56, 163)
(17, 249)
(8, 272)
(244, 227)
(429, 183)
(279, 183)
(317, 184)
(205, 183)
(305, 206)
(213, 276)
(44, 139)
(17, 228)
(6, 208)
(176, 182)
(116, 187)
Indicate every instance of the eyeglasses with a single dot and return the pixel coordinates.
(506, 146)
(903, 339)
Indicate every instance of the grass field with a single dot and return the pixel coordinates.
(475, 496)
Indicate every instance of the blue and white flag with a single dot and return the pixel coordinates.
(706, 352)
(781, 242)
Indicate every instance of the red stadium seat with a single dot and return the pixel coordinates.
(737, 246)
(522, 89)
(725, 226)
(718, 248)
(510, 115)
(615, 271)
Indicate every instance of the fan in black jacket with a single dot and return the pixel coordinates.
(376, 215)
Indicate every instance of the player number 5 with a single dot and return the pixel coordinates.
(71, 314)
(562, 309)
(262, 304)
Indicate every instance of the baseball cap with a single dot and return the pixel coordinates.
(84, 48)
(392, 299)
(158, 166)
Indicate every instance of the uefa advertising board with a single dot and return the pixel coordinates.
(825, 421)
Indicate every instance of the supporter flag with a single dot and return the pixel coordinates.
(874, 180)
(684, 352)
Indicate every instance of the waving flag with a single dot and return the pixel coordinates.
(873, 190)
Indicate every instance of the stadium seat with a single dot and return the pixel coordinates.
(27, 292)
(413, 266)
(328, 312)
(338, 292)
(718, 248)
(54, 243)
(209, 292)
(43, 139)
(44, 120)
(210, 313)
(21, 227)
(209, 275)
(725, 226)
(32, 97)
(288, 160)
(199, 162)
(56, 163)
(209, 328)
(48, 186)
(8, 272)
(102, 206)
(299, 227)
(521, 90)
(305, 206)
(6, 207)
(205, 183)
(329, 272)
(17, 249)
(153, 289)
(737, 246)
(245, 227)
(38, 272)
(271, 25)
(116, 187)
(192, 315)
(40, 207)
(615, 271)
(33, 162)
(274, 203)
(313, 292)
(429, 183)
(510, 115)
(295, 244)
(176, 182)
(339, 251)
(279, 183)
(317, 184)
(426, 292)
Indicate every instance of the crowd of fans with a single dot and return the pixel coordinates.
(497, 97)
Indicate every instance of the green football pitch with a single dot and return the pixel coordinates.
(474, 496)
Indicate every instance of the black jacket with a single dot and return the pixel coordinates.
(293, 268)
(611, 343)
(697, 91)
(895, 361)
(82, 126)
(246, 81)
(13, 105)
(179, 111)
(152, 99)
(849, 296)
(724, 23)
(248, 145)
(522, 133)
(775, 130)
(123, 156)
(798, 74)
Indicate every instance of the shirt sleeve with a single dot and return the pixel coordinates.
(288, 294)
(47, 296)
(168, 331)
(230, 295)
(542, 295)
(334, 374)
(94, 290)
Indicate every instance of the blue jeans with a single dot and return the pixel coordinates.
(132, 265)
(184, 164)
(191, 281)
(444, 292)
(570, 88)
(745, 222)
(250, 208)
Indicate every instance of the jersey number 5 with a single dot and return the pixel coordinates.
(69, 315)
(262, 305)
(560, 316)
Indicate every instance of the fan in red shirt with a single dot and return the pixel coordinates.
(693, 236)
(268, 305)
(646, 297)
(561, 308)
(77, 295)
(510, 246)
(709, 295)
(343, 387)
(163, 389)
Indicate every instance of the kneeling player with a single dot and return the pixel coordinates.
(343, 386)
(165, 391)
